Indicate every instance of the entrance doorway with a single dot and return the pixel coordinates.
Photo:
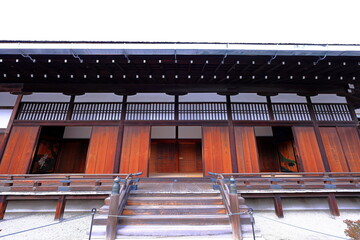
(177, 156)
(57, 152)
(276, 149)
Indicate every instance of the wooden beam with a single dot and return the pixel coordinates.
(334, 209)
(278, 206)
(60, 207)
(234, 164)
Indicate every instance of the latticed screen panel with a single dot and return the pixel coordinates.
(250, 111)
(291, 112)
(96, 111)
(332, 112)
(150, 111)
(43, 111)
(202, 111)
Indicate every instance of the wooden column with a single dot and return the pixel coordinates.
(318, 135)
(60, 207)
(334, 209)
(71, 107)
(234, 163)
(270, 109)
(9, 126)
(3, 205)
(120, 135)
(278, 206)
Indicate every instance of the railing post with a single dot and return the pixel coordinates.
(234, 208)
(113, 211)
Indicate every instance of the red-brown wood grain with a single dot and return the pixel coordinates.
(19, 150)
(216, 150)
(102, 148)
(308, 149)
(72, 157)
(333, 149)
(246, 150)
(135, 150)
(350, 143)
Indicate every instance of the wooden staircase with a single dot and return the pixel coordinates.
(158, 212)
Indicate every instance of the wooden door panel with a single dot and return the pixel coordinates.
(102, 149)
(216, 150)
(19, 150)
(190, 157)
(166, 159)
(246, 150)
(350, 143)
(308, 149)
(72, 158)
(135, 150)
(334, 151)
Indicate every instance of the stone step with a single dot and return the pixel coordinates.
(172, 231)
(166, 219)
(174, 210)
(141, 193)
(175, 201)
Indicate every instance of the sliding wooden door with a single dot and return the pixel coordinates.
(19, 150)
(135, 150)
(246, 150)
(308, 149)
(102, 150)
(350, 143)
(216, 150)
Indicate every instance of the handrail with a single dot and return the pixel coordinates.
(118, 200)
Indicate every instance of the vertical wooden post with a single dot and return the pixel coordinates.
(113, 211)
(71, 107)
(120, 135)
(60, 207)
(234, 208)
(270, 109)
(278, 206)
(3, 205)
(234, 163)
(334, 209)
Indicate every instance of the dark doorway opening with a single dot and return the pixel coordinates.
(276, 151)
(54, 154)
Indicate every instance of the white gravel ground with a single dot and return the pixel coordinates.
(297, 225)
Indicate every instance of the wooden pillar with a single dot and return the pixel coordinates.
(113, 211)
(60, 207)
(71, 107)
(9, 126)
(234, 163)
(270, 109)
(278, 206)
(3, 205)
(318, 135)
(120, 135)
(334, 209)
(235, 209)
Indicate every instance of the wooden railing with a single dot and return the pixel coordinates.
(118, 198)
(269, 181)
(58, 187)
(190, 111)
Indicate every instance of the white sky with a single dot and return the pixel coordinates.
(252, 21)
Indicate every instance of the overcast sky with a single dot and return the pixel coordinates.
(253, 21)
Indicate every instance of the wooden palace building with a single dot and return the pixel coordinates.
(279, 118)
(173, 108)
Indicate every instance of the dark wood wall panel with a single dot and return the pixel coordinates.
(216, 150)
(135, 150)
(72, 158)
(246, 150)
(102, 149)
(308, 149)
(19, 150)
(350, 143)
(334, 151)
(1, 138)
